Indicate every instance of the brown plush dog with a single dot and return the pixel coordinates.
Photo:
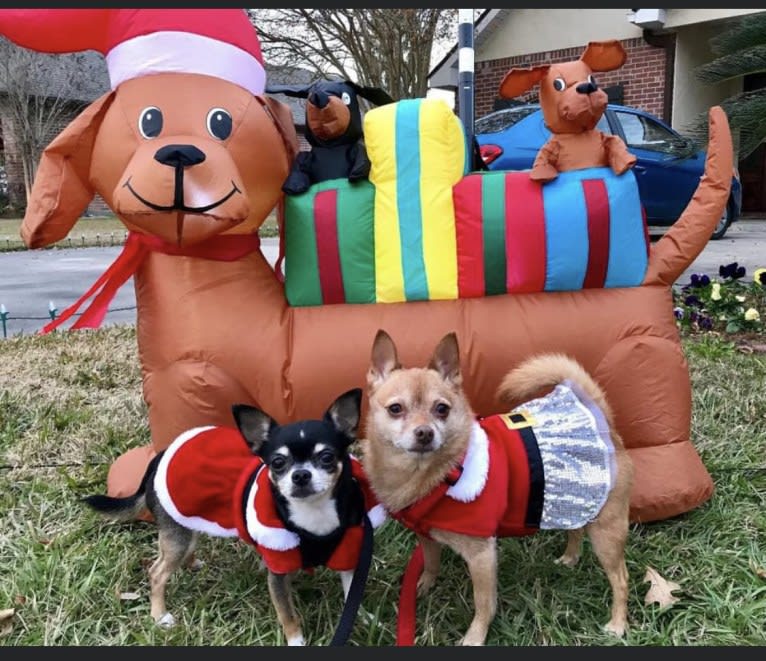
(556, 463)
(572, 103)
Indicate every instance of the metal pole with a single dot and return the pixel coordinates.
(465, 73)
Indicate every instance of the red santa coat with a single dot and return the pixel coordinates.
(551, 470)
(209, 481)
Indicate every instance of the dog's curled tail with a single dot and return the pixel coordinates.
(546, 371)
(129, 507)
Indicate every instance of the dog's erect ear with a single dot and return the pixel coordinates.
(344, 413)
(374, 95)
(253, 424)
(446, 359)
(518, 81)
(298, 91)
(604, 55)
(62, 190)
(384, 359)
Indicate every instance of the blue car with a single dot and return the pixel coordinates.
(668, 168)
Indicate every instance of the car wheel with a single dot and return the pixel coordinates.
(723, 223)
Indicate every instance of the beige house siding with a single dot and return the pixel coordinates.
(675, 18)
(690, 96)
(527, 30)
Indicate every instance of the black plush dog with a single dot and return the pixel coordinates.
(334, 131)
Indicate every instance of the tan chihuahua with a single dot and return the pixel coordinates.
(460, 481)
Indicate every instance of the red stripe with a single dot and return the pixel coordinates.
(524, 233)
(597, 204)
(470, 242)
(328, 256)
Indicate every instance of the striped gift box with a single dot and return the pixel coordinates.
(584, 229)
(417, 151)
(329, 247)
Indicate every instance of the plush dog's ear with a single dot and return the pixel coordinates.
(344, 413)
(374, 95)
(254, 425)
(62, 190)
(518, 81)
(298, 91)
(384, 359)
(446, 359)
(604, 55)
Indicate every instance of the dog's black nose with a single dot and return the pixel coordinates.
(179, 155)
(586, 88)
(319, 98)
(301, 477)
(424, 434)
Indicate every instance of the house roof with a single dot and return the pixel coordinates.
(276, 75)
(444, 74)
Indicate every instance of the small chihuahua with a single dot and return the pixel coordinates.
(293, 491)
(459, 481)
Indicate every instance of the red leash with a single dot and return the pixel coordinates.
(405, 623)
(224, 247)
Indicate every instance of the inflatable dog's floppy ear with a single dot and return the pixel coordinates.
(374, 95)
(604, 55)
(518, 81)
(62, 190)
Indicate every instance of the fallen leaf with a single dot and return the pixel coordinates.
(129, 596)
(660, 590)
(760, 572)
(6, 624)
(19, 600)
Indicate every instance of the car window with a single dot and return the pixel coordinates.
(645, 133)
(603, 125)
(502, 119)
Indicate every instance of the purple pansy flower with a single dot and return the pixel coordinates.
(733, 271)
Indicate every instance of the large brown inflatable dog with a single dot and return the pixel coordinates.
(214, 326)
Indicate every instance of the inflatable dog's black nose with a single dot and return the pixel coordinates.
(301, 477)
(179, 155)
(586, 88)
(319, 99)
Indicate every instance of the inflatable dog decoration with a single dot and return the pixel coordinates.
(334, 131)
(572, 103)
(214, 324)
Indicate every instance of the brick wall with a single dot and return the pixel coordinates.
(643, 75)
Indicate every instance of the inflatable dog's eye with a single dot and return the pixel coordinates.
(150, 122)
(559, 84)
(219, 123)
(592, 80)
(345, 98)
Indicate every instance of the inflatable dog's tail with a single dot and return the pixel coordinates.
(687, 237)
(129, 507)
(546, 371)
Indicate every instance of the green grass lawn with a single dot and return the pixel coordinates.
(94, 231)
(70, 403)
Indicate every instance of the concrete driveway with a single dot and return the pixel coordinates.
(29, 280)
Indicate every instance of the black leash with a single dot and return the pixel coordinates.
(356, 591)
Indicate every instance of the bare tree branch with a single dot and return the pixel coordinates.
(388, 48)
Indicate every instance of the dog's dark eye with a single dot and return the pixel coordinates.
(219, 123)
(326, 459)
(150, 122)
(592, 80)
(395, 409)
(278, 463)
(442, 410)
(559, 84)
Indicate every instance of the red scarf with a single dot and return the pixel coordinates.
(224, 247)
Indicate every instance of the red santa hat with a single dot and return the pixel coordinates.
(139, 42)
